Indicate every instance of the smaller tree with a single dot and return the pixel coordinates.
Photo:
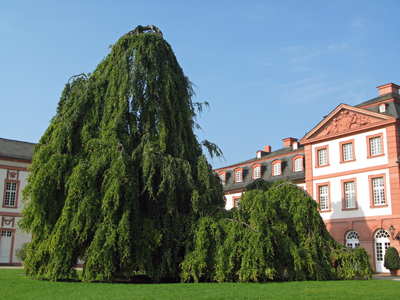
(20, 253)
(392, 259)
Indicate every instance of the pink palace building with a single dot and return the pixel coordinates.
(349, 163)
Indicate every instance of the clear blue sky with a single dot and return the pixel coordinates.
(269, 69)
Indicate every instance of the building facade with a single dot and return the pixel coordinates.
(352, 171)
(15, 157)
(351, 168)
(285, 163)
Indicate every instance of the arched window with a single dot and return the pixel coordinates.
(277, 168)
(352, 239)
(298, 163)
(256, 171)
(239, 175)
(222, 176)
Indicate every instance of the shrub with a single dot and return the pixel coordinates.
(392, 259)
(20, 253)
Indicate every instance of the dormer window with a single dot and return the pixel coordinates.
(239, 175)
(298, 163)
(382, 108)
(222, 176)
(258, 154)
(295, 146)
(276, 168)
(256, 171)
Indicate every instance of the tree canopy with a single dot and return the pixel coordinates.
(119, 179)
(275, 233)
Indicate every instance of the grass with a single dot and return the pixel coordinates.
(15, 285)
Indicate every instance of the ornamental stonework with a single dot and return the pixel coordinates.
(346, 120)
(12, 174)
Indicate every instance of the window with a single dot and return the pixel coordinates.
(223, 178)
(257, 173)
(382, 108)
(352, 239)
(298, 165)
(324, 197)
(10, 193)
(375, 145)
(322, 156)
(294, 146)
(377, 190)
(256, 168)
(297, 162)
(323, 191)
(239, 175)
(349, 194)
(277, 168)
(347, 151)
(235, 201)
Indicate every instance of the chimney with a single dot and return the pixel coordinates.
(267, 149)
(288, 141)
(388, 88)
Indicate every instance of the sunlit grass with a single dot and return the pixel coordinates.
(15, 285)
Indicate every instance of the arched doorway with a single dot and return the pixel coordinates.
(352, 239)
(382, 243)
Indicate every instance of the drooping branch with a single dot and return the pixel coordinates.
(288, 183)
(240, 222)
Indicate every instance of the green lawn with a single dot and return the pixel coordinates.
(15, 285)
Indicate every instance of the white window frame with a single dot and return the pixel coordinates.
(347, 151)
(324, 197)
(352, 239)
(322, 157)
(10, 195)
(257, 172)
(350, 194)
(375, 146)
(378, 188)
(277, 169)
(239, 176)
(298, 165)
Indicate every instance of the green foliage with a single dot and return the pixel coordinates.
(119, 178)
(259, 184)
(20, 253)
(276, 234)
(392, 259)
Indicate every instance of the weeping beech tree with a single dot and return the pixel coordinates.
(276, 233)
(119, 179)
